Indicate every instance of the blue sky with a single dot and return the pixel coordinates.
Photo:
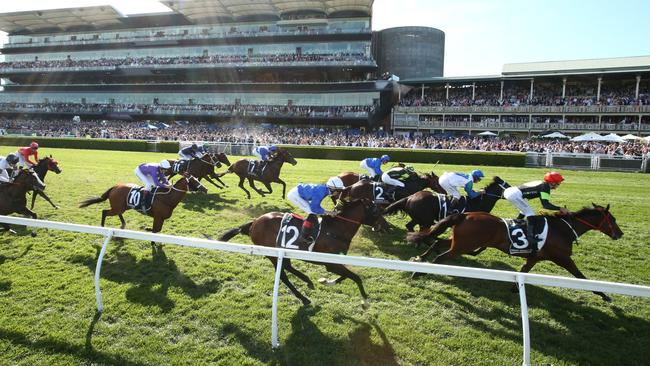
(483, 35)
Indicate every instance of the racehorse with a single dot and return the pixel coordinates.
(13, 196)
(424, 207)
(349, 178)
(335, 236)
(271, 173)
(476, 230)
(164, 202)
(382, 195)
(203, 167)
(44, 165)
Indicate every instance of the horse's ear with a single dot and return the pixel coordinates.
(595, 205)
(607, 208)
(50, 156)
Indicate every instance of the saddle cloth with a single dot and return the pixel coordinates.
(520, 243)
(289, 232)
(383, 194)
(181, 166)
(444, 206)
(254, 167)
(140, 200)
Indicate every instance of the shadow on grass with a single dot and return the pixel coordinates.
(47, 346)
(260, 209)
(307, 345)
(199, 202)
(152, 278)
(590, 334)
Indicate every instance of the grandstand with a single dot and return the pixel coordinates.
(600, 95)
(273, 61)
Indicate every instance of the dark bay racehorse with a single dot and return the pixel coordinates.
(335, 237)
(424, 207)
(163, 205)
(203, 167)
(271, 173)
(44, 165)
(13, 196)
(475, 230)
(382, 193)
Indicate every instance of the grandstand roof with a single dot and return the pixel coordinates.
(60, 19)
(572, 67)
(204, 11)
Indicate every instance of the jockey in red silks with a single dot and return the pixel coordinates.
(25, 152)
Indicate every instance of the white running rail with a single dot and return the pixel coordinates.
(521, 279)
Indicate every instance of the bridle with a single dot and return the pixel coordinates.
(606, 219)
(337, 216)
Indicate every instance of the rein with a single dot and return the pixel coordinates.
(346, 219)
(605, 219)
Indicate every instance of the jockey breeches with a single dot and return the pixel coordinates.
(513, 195)
(147, 181)
(257, 154)
(451, 189)
(391, 181)
(294, 197)
(370, 170)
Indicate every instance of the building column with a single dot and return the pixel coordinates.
(638, 81)
(447, 87)
(563, 88)
(422, 95)
(530, 96)
(473, 91)
(501, 93)
(600, 82)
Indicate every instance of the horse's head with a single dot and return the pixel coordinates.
(432, 182)
(194, 185)
(362, 189)
(222, 158)
(599, 218)
(29, 179)
(52, 164)
(496, 187)
(285, 156)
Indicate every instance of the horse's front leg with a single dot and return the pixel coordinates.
(212, 182)
(344, 272)
(214, 176)
(568, 264)
(268, 186)
(284, 186)
(157, 226)
(44, 195)
(27, 212)
(251, 182)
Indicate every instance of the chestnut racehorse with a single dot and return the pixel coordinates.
(271, 173)
(13, 196)
(335, 237)
(163, 205)
(475, 230)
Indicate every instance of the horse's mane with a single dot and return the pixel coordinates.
(584, 210)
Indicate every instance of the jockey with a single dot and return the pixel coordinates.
(542, 189)
(152, 174)
(397, 175)
(264, 153)
(194, 151)
(9, 162)
(25, 152)
(308, 197)
(373, 165)
(451, 181)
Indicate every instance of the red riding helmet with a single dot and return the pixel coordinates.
(553, 177)
(34, 146)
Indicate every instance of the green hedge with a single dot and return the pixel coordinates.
(91, 144)
(411, 155)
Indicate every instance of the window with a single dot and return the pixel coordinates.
(83, 100)
(190, 101)
(205, 53)
(111, 101)
(155, 101)
(250, 52)
(73, 38)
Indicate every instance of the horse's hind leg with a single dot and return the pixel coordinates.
(251, 182)
(289, 267)
(290, 286)
(241, 185)
(123, 225)
(568, 264)
(268, 186)
(33, 199)
(344, 272)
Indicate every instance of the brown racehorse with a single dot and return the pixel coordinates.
(415, 184)
(424, 207)
(271, 173)
(44, 165)
(335, 237)
(13, 196)
(203, 167)
(476, 230)
(163, 205)
(349, 178)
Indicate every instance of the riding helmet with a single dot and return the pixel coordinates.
(165, 164)
(34, 145)
(12, 159)
(477, 174)
(273, 147)
(385, 158)
(553, 177)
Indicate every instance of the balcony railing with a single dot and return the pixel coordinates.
(517, 126)
(525, 109)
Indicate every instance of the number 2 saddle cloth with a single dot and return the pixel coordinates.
(289, 232)
(520, 242)
(140, 199)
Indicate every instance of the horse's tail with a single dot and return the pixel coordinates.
(396, 206)
(243, 229)
(229, 170)
(438, 229)
(92, 201)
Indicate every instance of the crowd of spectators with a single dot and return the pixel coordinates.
(187, 60)
(515, 96)
(277, 134)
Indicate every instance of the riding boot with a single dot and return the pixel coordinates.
(307, 231)
(453, 209)
(533, 239)
(377, 178)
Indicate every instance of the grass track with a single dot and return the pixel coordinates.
(191, 307)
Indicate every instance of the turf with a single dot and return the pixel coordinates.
(183, 306)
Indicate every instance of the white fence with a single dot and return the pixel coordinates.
(484, 274)
(587, 161)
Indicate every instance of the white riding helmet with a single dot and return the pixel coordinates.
(164, 164)
(335, 182)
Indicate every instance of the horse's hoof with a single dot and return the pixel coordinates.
(365, 304)
(416, 259)
(33, 234)
(12, 231)
(310, 286)
(326, 282)
(415, 275)
(606, 298)
(306, 302)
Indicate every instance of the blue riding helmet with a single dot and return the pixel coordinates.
(385, 158)
(477, 174)
(12, 159)
(273, 147)
(195, 146)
